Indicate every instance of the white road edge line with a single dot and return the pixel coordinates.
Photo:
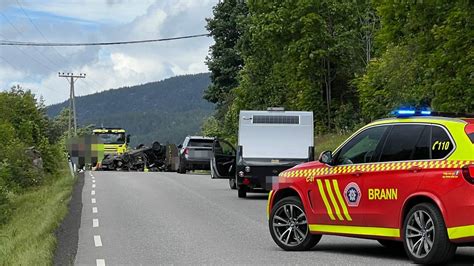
(93, 185)
(93, 192)
(100, 262)
(95, 222)
(93, 200)
(97, 241)
(94, 209)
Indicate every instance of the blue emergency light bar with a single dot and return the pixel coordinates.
(407, 112)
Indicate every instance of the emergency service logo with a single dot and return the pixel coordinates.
(352, 194)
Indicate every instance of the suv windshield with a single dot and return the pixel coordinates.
(112, 138)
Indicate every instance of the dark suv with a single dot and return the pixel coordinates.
(195, 153)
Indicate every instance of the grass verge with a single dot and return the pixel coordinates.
(328, 142)
(28, 238)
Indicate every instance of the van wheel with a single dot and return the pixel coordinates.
(289, 227)
(242, 192)
(232, 183)
(425, 236)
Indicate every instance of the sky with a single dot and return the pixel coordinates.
(106, 67)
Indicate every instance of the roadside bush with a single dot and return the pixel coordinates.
(5, 208)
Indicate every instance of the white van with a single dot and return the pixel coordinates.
(269, 142)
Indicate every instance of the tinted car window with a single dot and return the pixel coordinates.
(361, 148)
(422, 148)
(200, 143)
(401, 142)
(441, 144)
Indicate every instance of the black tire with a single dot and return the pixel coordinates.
(391, 244)
(442, 250)
(304, 240)
(232, 183)
(242, 192)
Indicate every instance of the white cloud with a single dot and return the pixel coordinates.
(108, 66)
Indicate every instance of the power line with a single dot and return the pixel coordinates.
(55, 64)
(38, 30)
(38, 51)
(18, 43)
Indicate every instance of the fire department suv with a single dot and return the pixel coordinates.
(402, 181)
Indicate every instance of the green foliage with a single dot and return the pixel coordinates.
(428, 58)
(224, 60)
(349, 62)
(25, 138)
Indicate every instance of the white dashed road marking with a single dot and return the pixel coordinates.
(93, 200)
(95, 222)
(93, 181)
(97, 241)
(94, 209)
(93, 185)
(100, 262)
(93, 192)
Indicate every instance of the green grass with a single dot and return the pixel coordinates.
(328, 142)
(28, 238)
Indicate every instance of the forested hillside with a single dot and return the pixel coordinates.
(349, 62)
(166, 111)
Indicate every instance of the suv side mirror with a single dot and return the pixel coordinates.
(128, 138)
(180, 146)
(326, 157)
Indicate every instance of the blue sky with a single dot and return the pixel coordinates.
(107, 67)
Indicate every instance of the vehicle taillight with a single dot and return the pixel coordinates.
(186, 151)
(468, 173)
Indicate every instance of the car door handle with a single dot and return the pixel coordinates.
(357, 173)
(415, 168)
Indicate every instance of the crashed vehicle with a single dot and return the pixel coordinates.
(142, 158)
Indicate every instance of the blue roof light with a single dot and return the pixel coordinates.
(407, 112)
(426, 112)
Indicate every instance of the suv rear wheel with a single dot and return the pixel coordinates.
(289, 227)
(425, 236)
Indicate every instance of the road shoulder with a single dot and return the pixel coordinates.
(67, 234)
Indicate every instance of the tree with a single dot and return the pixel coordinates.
(428, 58)
(224, 60)
(301, 55)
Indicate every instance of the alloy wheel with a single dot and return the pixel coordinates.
(420, 234)
(290, 225)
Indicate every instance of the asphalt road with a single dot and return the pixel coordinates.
(168, 218)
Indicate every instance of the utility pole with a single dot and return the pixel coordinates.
(71, 78)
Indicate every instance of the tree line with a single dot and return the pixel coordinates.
(349, 62)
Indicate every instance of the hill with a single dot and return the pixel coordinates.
(166, 110)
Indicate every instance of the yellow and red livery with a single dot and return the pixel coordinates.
(380, 184)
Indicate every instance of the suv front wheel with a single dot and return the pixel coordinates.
(289, 227)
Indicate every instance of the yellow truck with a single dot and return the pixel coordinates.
(115, 140)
